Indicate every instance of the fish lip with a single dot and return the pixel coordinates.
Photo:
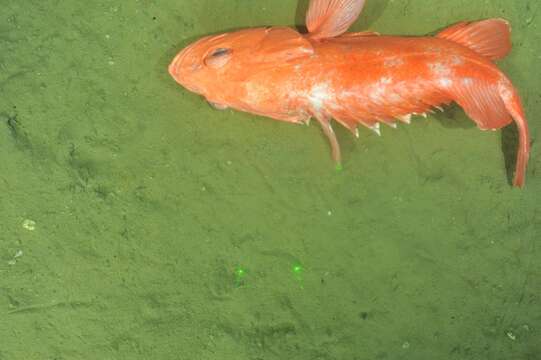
(174, 71)
(173, 68)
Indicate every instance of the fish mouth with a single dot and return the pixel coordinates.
(180, 76)
(174, 66)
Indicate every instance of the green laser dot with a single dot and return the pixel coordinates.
(240, 272)
(297, 271)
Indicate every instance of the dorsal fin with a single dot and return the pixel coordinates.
(331, 18)
(490, 38)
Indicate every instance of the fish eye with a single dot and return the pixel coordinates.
(218, 58)
(220, 52)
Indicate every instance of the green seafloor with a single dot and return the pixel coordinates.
(136, 222)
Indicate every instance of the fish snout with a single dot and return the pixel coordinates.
(184, 66)
(174, 66)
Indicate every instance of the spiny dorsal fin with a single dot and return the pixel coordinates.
(331, 18)
(490, 38)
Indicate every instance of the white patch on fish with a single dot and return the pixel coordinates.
(318, 95)
(445, 82)
(386, 80)
(393, 62)
(467, 81)
(439, 69)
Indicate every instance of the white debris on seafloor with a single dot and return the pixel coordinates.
(18, 254)
(29, 225)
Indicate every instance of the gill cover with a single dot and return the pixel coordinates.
(257, 47)
(281, 44)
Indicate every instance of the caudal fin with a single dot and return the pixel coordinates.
(490, 38)
(514, 107)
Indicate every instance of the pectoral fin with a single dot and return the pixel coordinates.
(326, 126)
(331, 18)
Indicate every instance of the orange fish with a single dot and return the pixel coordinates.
(356, 78)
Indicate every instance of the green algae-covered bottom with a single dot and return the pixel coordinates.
(136, 222)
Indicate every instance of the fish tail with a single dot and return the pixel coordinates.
(493, 106)
(513, 105)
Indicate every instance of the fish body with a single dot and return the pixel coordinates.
(356, 78)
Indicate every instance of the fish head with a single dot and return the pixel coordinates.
(224, 68)
(201, 66)
(219, 66)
